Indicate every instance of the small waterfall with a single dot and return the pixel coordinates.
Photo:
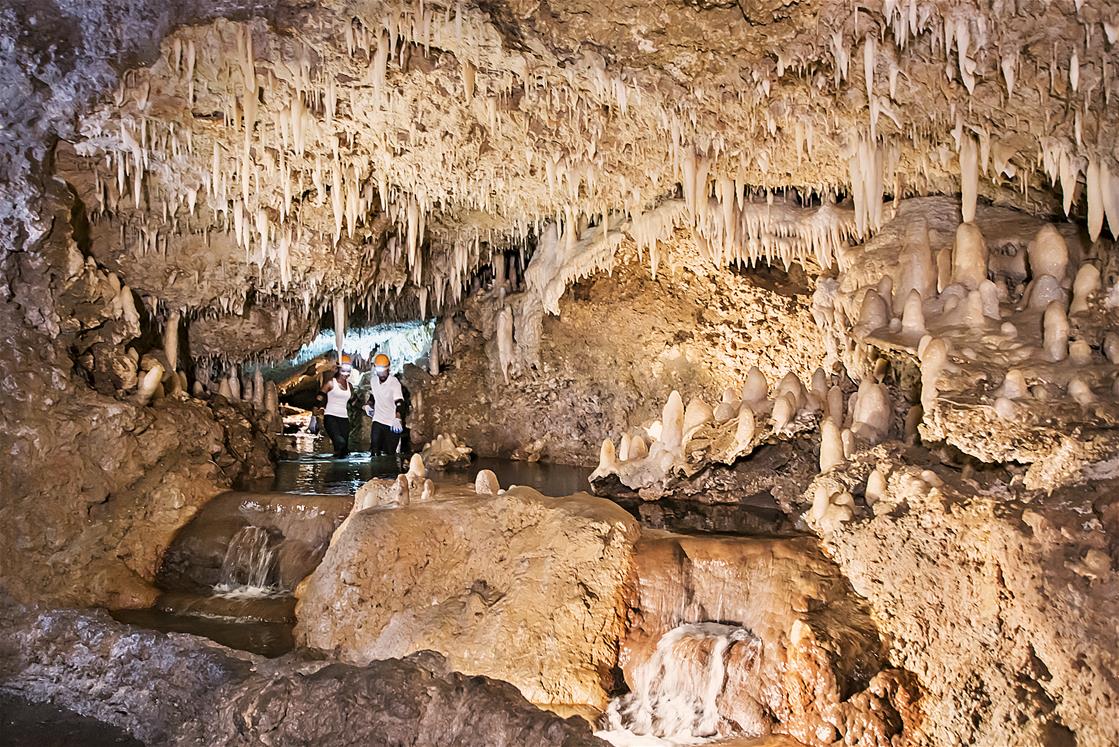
(676, 691)
(249, 563)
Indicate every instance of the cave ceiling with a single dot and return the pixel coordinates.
(381, 151)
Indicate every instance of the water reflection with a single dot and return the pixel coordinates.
(320, 474)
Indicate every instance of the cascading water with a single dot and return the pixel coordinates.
(676, 691)
(248, 565)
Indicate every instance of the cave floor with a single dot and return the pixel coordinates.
(27, 724)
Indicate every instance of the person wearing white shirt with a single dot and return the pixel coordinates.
(338, 391)
(385, 407)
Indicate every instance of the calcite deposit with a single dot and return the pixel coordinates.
(515, 586)
(850, 263)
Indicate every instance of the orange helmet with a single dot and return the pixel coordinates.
(381, 361)
(345, 359)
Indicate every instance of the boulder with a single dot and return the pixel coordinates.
(516, 586)
(184, 690)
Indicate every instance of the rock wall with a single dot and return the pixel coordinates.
(620, 344)
(527, 589)
(98, 479)
(808, 661)
(184, 690)
(1002, 601)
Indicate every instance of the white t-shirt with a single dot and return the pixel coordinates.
(336, 400)
(384, 396)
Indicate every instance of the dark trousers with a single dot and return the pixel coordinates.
(338, 429)
(382, 440)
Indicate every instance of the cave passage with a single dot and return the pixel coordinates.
(506, 373)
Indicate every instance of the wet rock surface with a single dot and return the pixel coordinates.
(803, 656)
(516, 586)
(183, 690)
(27, 724)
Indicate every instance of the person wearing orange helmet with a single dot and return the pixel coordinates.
(336, 418)
(386, 407)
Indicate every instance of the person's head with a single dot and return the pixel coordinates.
(381, 366)
(343, 373)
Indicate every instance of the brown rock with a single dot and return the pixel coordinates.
(517, 586)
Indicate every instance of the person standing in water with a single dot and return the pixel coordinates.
(386, 407)
(337, 417)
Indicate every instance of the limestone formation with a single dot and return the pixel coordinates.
(901, 214)
(518, 587)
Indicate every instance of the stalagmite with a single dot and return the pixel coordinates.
(1013, 385)
(756, 388)
(171, 339)
(607, 460)
(873, 314)
(1080, 391)
(744, 431)
(830, 511)
(876, 488)
(696, 414)
(672, 422)
(401, 493)
(485, 483)
(831, 445)
(1055, 331)
(834, 408)
(1080, 353)
(913, 316)
(433, 360)
(1111, 347)
(917, 269)
(969, 256)
(416, 468)
(872, 412)
(1048, 253)
(258, 388)
(933, 354)
(272, 405)
(624, 448)
(638, 449)
(1043, 291)
(1086, 283)
(791, 384)
(784, 412)
(149, 384)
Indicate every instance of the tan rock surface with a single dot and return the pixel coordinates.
(1002, 602)
(620, 344)
(518, 587)
(811, 664)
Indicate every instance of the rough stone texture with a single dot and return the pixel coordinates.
(812, 666)
(1068, 441)
(1001, 601)
(608, 362)
(265, 332)
(519, 587)
(184, 690)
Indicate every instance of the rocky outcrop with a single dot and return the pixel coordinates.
(800, 653)
(1001, 601)
(184, 690)
(515, 586)
(608, 361)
